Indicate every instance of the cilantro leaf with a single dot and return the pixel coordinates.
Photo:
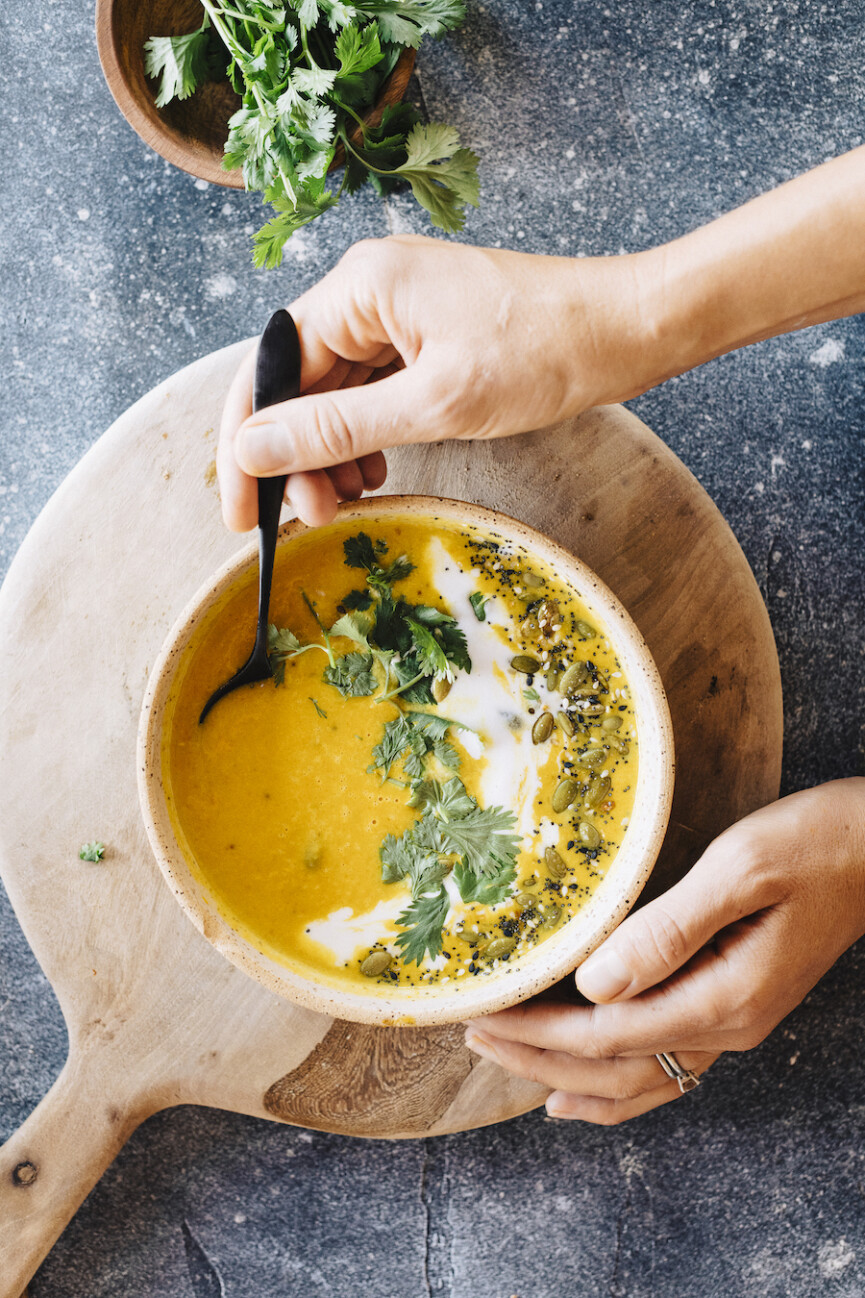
(488, 890)
(280, 640)
(423, 921)
(360, 552)
(354, 626)
(406, 22)
(395, 854)
(414, 855)
(357, 50)
(291, 214)
(306, 10)
(430, 616)
(446, 754)
(431, 658)
(91, 851)
(448, 801)
(283, 644)
(430, 723)
(443, 176)
(415, 734)
(406, 670)
(352, 675)
(179, 63)
(356, 599)
(396, 738)
(455, 645)
(397, 571)
(484, 838)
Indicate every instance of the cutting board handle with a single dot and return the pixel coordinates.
(52, 1162)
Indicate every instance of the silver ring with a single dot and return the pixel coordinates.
(684, 1076)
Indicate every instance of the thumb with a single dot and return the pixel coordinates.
(329, 428)
(657, 940)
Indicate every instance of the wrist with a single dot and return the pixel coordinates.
(611, 330)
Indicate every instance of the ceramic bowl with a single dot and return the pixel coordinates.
(189, 133)
(541, 965)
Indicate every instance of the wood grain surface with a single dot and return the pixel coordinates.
(155, 1016)
(189, 133)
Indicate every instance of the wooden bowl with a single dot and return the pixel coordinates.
(189, 133)
(541, 965)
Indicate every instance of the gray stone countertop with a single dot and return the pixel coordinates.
(600, 130)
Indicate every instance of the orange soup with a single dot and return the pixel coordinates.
(436, 778)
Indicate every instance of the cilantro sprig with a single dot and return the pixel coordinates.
(94, 851)
(401, 647)
(454, 834)
(413, 736)
(307, 72)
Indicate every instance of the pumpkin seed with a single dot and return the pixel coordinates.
(611, 723)
(598, 790)
(525, 663)
(526, 900)
(554, 863)
(589, 836)
(470, 939)
(440, 690)
(576, 674)
(500, 946)
(594, 758)
(375, 964)
(543, 728)
(565, 723)
(591, 709)
(586, 630)
(563, 794)
(532, 579)
(618, 744)
(552, 678)
(550, 916)
(548, 612)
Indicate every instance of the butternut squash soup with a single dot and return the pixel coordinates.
(438, 775)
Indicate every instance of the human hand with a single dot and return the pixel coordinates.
(410, 339)
(712, 965)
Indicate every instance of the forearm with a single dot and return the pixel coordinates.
(786, 260)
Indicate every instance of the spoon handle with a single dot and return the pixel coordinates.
(277, 378)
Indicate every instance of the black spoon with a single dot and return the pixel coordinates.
(277, 378)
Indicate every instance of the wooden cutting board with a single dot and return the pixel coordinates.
(155, 1016)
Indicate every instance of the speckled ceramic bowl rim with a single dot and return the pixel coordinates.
(542, 965)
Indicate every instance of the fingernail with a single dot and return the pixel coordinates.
(603, 976)
(263, 447)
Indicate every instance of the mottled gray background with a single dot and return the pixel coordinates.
(600, 130)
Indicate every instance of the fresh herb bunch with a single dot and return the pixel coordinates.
(307, 71)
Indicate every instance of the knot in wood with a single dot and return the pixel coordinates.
(25, 1174)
